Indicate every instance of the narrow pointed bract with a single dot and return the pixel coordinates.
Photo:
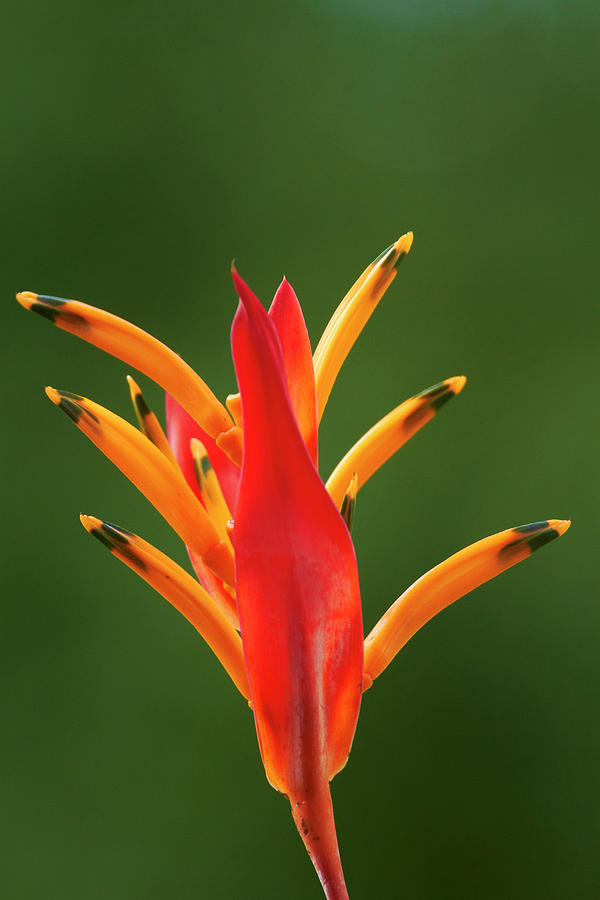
(389, 434)
(277, 595)
(181, 590)
(210, 490)
(139, 349)
(348, 505)
(352, 315)
(148, 422)
(181, 428)
(449, 581)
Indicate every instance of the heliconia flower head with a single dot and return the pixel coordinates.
(276, 594)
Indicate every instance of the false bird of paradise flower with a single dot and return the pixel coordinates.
(277, 594)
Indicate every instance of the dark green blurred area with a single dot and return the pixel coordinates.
(144, 146)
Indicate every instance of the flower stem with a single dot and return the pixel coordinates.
(313, 815)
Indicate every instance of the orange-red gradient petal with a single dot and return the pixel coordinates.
(298, 596)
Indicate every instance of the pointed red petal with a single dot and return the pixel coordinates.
(295, 561)
(286, 315)
(181, 428)
(298, 593)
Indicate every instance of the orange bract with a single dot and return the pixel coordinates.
(352, 315)
(139, 349)
(181, 590)
(449, 581)
(389, 434)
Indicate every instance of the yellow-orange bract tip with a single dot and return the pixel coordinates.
(234, 406)
(197, 446)
(26, 298)
(134, 391)
(89, 522)
(457, 383)
(53, 394)
(404, 243)
(560, 525)
(352, 489)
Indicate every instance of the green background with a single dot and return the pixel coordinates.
(144, 145)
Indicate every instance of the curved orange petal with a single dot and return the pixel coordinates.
(181, 590)
(147, 420)
(139, 349)
(449, 581)
(389, 434)
(352, 315)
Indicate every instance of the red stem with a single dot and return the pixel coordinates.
(313, 815)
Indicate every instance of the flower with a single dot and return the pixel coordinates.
(277, 594)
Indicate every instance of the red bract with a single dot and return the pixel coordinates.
(297, 593)
(277, 595)
(294, 343)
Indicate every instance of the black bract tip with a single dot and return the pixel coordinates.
(48, 307)
(100, 536)
(71, 408)
(115, 533)
(543, 537)
(141, 405)
(51, 301)
(77, 397)
(434, 391)
(384, 254)
(531, 528)
(441, 399)
(51, 308)
(47, 312)
(347, 511)
(433, 398)
(116, 538)
(533, 536)
(71, 404)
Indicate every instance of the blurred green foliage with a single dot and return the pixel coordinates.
(145, 145)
